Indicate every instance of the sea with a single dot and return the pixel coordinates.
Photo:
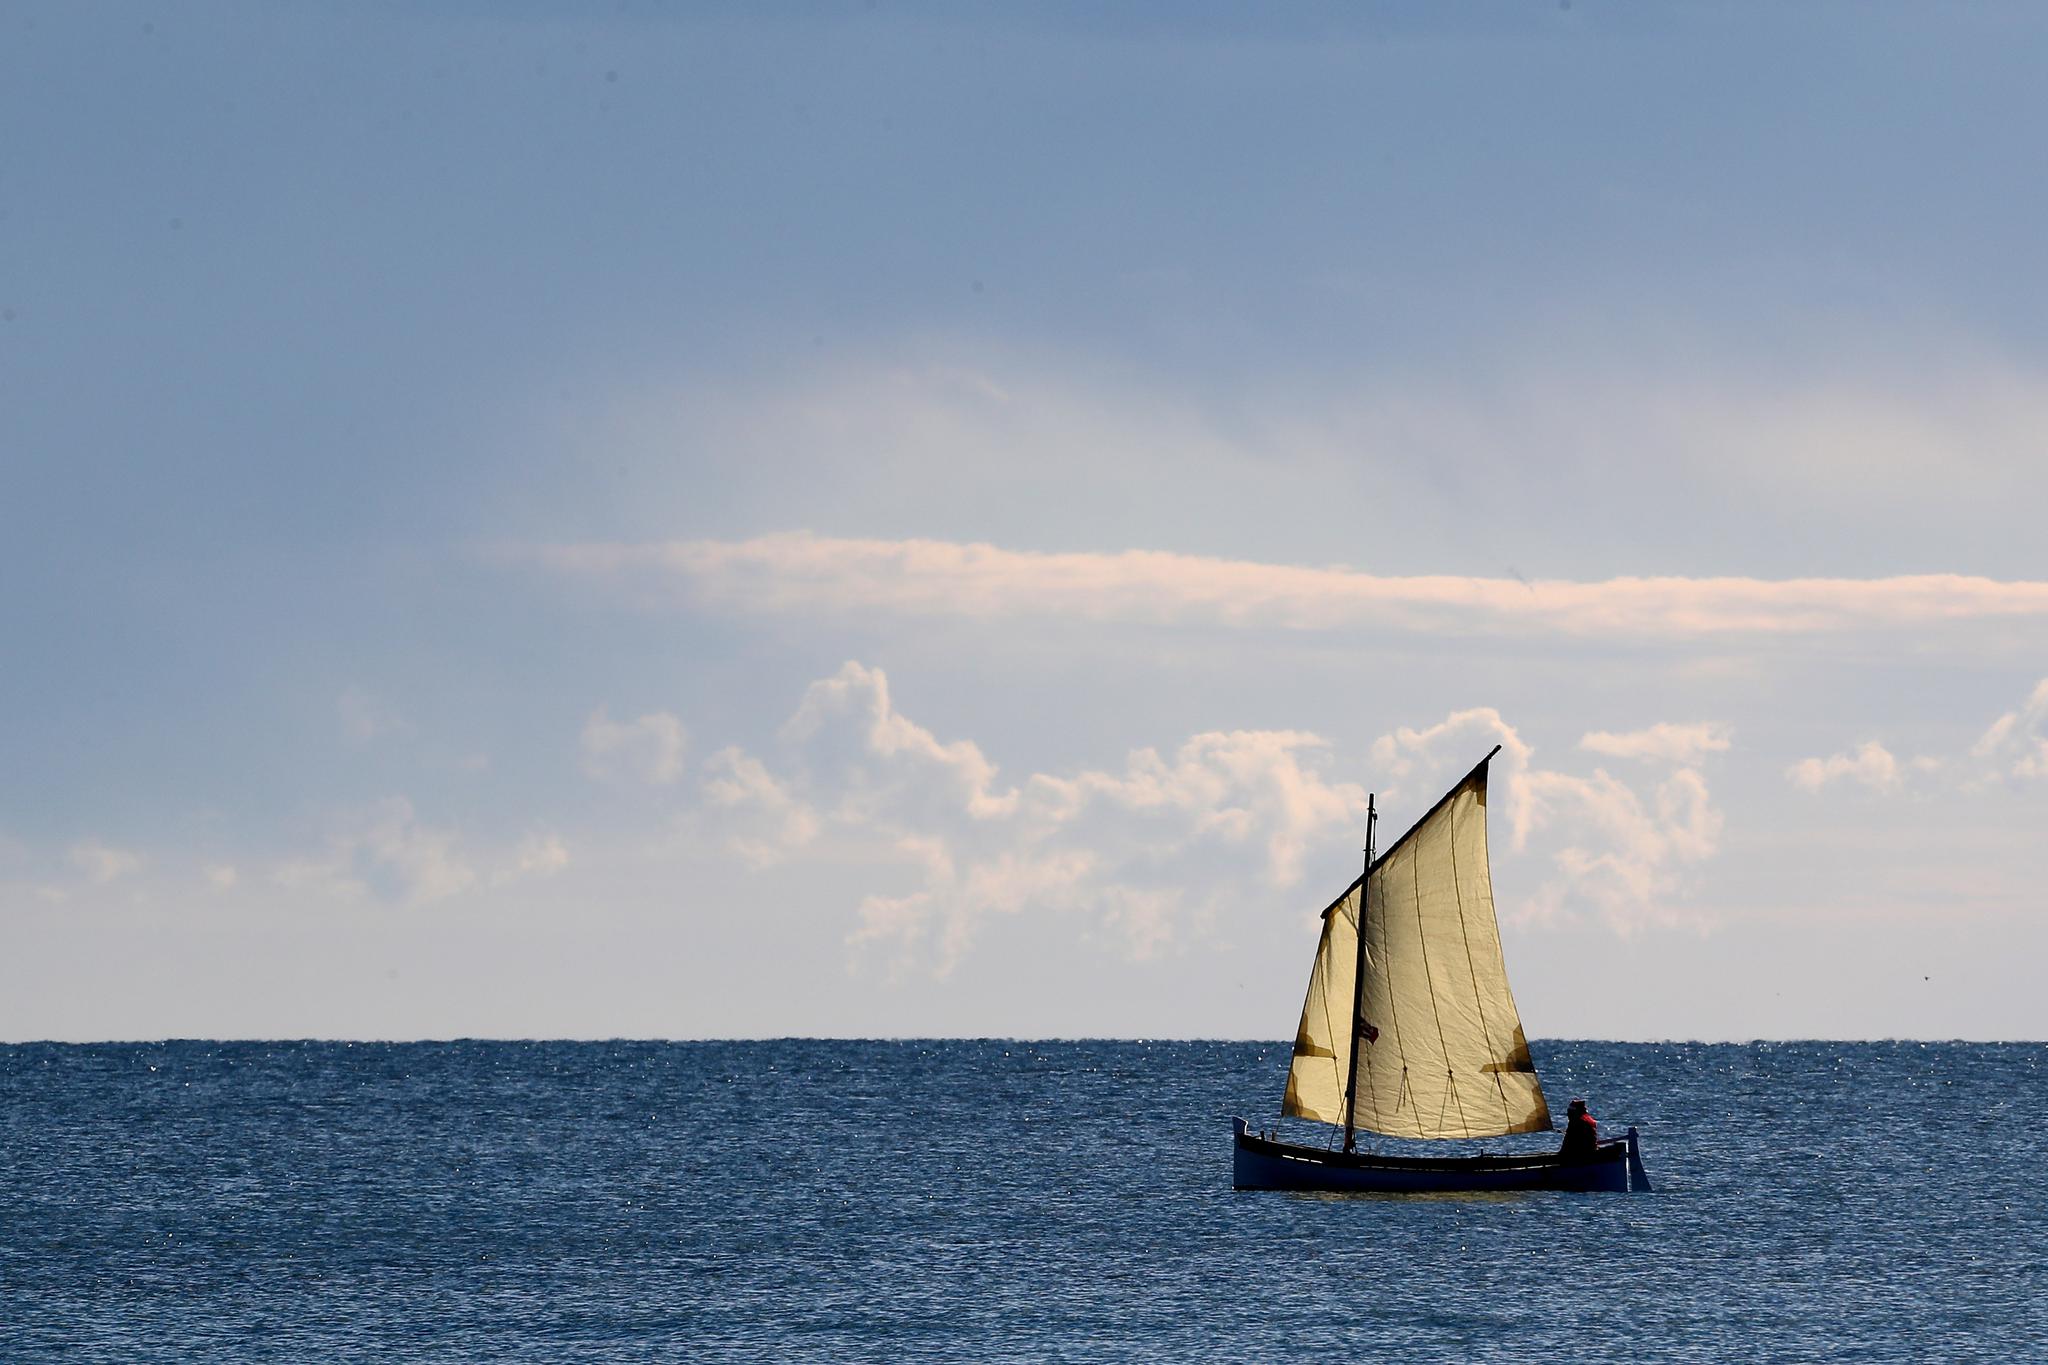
(800, 1200)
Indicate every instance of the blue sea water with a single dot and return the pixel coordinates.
(802, 1200)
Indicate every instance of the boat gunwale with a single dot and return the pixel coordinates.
(1615, 1149)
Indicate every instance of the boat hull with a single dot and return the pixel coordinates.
(1260, 1163)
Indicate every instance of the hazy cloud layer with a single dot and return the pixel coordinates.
(649, 749)
(386, 853)
(798, 572)
(400, 858)
(365, 717)
(102, 863)
(383, 853)
(1596, 453)
(538, 855)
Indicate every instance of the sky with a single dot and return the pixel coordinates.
(875, 519)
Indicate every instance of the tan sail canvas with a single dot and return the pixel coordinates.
(1442, 1050)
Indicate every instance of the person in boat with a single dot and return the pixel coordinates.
(1581, 1133)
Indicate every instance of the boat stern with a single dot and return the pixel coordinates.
(1241, 1177)
(1638, 1178)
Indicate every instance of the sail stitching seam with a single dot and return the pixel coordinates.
(1472, 968)
(1422, 934)
(1394, 1009)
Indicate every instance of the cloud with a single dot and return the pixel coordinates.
(400, 859)
(1407, 754)
(102, 863)
(1665, 742)
(862, 695)
(777, 822)
(801, 573)
(1652, 444)
(1239, 785)
(383, 852)
(648, 750)
(955, 900)
(1170, 843)
(392, 855)
(1872, 765)
(2013, 748)
(363, 717)
(1140, 852)
(538, 855)
(2016, 744)
(1621, 853)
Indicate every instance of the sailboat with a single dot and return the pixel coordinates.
(1410, 1031)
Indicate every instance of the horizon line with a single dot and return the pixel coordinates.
(1073, 1039)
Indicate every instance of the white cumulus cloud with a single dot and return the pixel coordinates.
(1171, 842)
(1870, 764)
(2016, 744)
(774, 821)
(1139, 852)
(858, 697)
(1623, 852)
(2013, 748)
(1419, 760)
(1663, 741)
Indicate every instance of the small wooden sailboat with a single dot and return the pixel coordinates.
(1410, 1031)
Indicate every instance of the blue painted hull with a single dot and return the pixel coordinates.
(1263, 1164)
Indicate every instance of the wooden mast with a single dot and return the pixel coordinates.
(1358, 985)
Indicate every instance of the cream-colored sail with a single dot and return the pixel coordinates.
(1442, 1052)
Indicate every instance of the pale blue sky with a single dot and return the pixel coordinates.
(324, 331)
